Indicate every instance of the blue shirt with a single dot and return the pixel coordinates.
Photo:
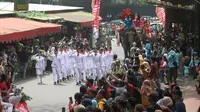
(186, 70)
(128, 23)
(148, 49)
(180, 107)
(94, 103)
(171, 59)
(196, 62)
(163, 50)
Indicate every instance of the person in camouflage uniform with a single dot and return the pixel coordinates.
(113, 65)
(133, 50)
(101, 41)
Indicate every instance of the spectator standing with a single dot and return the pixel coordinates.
(23, 55)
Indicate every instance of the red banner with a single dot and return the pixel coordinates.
(96, 11)
(161, 14)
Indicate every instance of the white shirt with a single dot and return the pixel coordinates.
(40, 63)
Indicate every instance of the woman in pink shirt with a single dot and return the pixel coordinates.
(163, 66)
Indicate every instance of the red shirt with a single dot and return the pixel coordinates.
(3, 86)
(108, 95)
(90, 87)
(131, 89)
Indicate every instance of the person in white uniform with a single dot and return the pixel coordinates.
(39, 66)
(56, 68)
(109, 58)
(62, 61)
(90, 64)
(96, 65)
(67, 63)
(78, 66)
(102, 62)
(84, 64)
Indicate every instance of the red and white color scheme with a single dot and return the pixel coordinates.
(161, 15)
(96, 11)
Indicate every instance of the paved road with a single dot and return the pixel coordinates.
(50, 98)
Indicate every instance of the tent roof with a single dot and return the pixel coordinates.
(77, 17)
(15, 29)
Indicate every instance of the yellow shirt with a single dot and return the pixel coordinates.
(101, 103)
(145, 100)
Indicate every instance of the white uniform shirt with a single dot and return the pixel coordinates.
(103, 60)
(96, 60)
(78, 60)
(56, 62)
(40, 63)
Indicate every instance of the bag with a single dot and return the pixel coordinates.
(174, 62)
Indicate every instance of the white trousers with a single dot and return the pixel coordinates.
(39, 78)
(78, 74)
(103, 71)
(9, 106)
(96, 73)
(68, 71)
(56, 74)
(64, 72)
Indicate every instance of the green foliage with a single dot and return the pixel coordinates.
(35, 15)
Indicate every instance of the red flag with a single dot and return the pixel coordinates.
(96, 11)
(161, 14)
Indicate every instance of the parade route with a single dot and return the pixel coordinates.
(51, 98)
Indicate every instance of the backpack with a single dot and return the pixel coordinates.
(174, 62)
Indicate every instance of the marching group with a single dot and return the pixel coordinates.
(67, 61)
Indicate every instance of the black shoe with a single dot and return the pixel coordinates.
(67, 77)
(63, 79)
(58, 82)
(77, 83)
(80, 82)
(54, 83)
